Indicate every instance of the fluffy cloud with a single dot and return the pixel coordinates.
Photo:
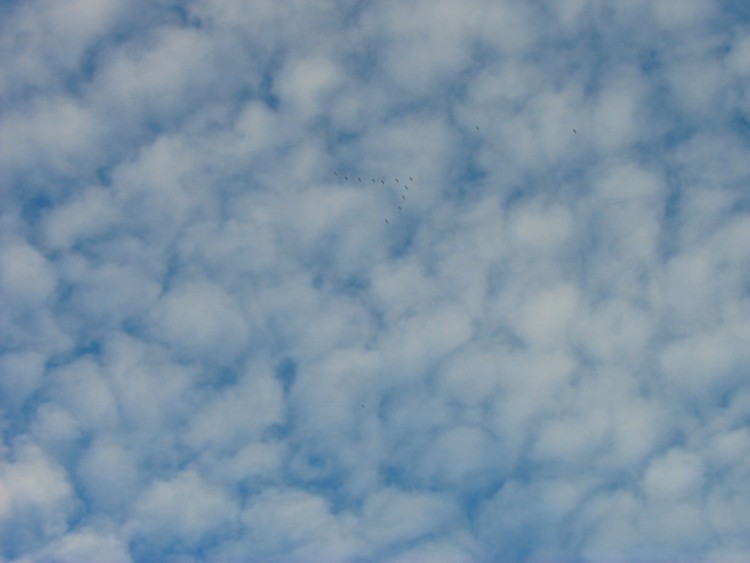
(37, 500)
(214, 346)
(183, 510)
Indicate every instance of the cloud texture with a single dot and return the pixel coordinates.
(214, 347)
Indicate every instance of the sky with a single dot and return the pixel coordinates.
(524, 335)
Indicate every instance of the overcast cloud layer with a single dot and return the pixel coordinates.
(214, 347)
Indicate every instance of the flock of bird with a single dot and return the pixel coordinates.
(405, 185)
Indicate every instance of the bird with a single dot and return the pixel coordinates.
(477, 126)
(346, 178)
(574, 131)
(382, 181)
(336, 173)
(399, 208)
(411, 179)
(397, 180)
(387, 221)
(403, 197)
(360, 179)
(373, 180)
(406, 187)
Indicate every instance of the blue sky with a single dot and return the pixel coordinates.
(214, 348)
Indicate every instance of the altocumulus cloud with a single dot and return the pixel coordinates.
(212, 347)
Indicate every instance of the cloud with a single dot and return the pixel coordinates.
(38, 500)
(109, 474)
(183, 509)
(294, 522)
(214, 346)
(675, 474)
(199, 319)
(392, 517)
(88, 216)
(50, 42)
(86, 545)
(253, 405)
(303, 84)
(26, 278)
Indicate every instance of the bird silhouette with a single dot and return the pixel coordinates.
(411, 179)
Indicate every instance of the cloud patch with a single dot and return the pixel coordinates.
(444, 281)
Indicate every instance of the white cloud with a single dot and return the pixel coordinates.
(153, 391)
(86, 545)
(88, 216)
(41, 499)
(160, 190)
(109, 475)
(707, 364)
(55, 429)
(739, 58)
(463, 456)
(199, 319)
(616, 118)
(185, 509)
(392, 517)
(48, 41)
(428, 43)
(83, 390)
(616, 521)
(251, 463)
(438, 551)
(238, 413)
(546, 317)
(158, 79)
(673, 15)
(304, 84)
(22, 375)
(213, 347)
(26, 277)
(675, 474)
(543, 228)
(296, 523)
(56, 135)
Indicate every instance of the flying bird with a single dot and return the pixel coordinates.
(387, 221)
(373, 180)
(397, 180)
(403, 197)
(346, 178)
(360, 179)
(382, 181)
(477, 126)
(411, 179)
(399, 208)
(336, 173)
(406, 187)
(574, 131)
